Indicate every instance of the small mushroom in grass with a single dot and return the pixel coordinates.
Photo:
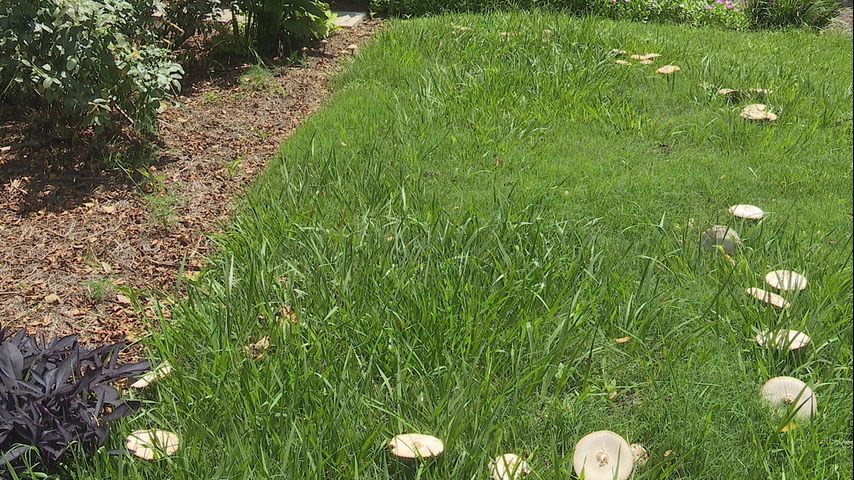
(618, 53)
(758, 112)
(790, 392)
(161, 371)
(621, 62)
(412, 446)
(791, 340)
(721, 235)
(646, 61)
(668, 70)
(639, 454)
(786, 280)
(602, 455)
(765, 296)
(509, 467)
(729, 92)
(746, 212)
(152, 444)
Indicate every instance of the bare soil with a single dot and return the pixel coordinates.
(84, 248)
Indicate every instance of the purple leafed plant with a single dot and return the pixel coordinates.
(53, 394)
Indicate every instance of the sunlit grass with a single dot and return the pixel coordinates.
(469, 224)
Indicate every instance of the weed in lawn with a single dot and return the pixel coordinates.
(161, 203)
(233, 165)
(98, 289)
(258, 78)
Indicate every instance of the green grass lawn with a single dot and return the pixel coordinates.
(472, 220)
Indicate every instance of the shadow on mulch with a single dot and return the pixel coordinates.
(44, 172)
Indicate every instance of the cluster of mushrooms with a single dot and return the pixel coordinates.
(790, 394)
(602, 455)
(757, 112)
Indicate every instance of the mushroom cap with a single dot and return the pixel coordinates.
(508, 467)
(152, 376)
(728, 91)
(646, 61)
(621, 62)
(721, 235)
(783, 339)
(152, 444)
(786, 280)
(747, 212)
(639, 454)
(772, 299)
(668, 70)
(415, 445)
(785, 391)
(617, 52)
(758, 112)
(603, 455)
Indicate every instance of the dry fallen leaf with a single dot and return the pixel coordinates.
(52, 298)
(124, 300)
(108, 209)
(256, 350)
(789, 426)
(289, 315)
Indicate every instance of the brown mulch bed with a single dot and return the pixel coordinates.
(76, 240)
(843, 21)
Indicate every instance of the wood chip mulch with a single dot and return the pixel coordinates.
(82, 249)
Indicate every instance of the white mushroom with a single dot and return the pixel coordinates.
(415, 445)
(772, 299)
(621, 62)
(790, 392)
(721, 235)
(152, 444)
(152, 376)
(639, 454)
(783, 339)
(668, 70)
(602, 455)
(747, 212)
(727, 92)
(786, 280)
(508, 467)
(758, 112)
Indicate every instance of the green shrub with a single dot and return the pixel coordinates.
(792, 13)
(277, 26)
(87, 63)
(732, 14)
